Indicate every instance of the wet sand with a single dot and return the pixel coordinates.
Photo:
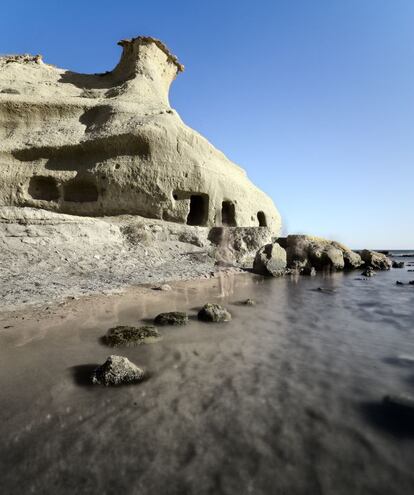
(284, 399)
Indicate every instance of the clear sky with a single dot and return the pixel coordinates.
(314, 98)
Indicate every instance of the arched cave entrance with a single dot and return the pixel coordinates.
(262, 219)
(198, 213)
(44, 188)
(80, 191)
(228, 214)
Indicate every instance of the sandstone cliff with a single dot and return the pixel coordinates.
(110, 144)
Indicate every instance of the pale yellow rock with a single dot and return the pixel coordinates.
(110, 144)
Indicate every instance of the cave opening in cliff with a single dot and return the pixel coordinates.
(198, 213)
(228, 214)
(262, 219)
(80, 191)
(44, 188)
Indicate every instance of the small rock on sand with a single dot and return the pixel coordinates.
(249, 302)
(171, 318)
(117, 370)
(213, 313)
(130, 336)
(163, 287)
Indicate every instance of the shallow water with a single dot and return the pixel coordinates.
(284, 399)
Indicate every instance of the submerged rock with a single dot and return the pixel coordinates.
(368, 272)
(270, 260)
(213, 313)
(171, 318)
(398, 264)
(124, 335)
(398, 282)
(375, 260)
(117, 370)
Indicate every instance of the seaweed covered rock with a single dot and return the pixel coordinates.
(171, 318)
(213, 313)
(270, 260)
(117, 370)
(124, 335)
(378, 261)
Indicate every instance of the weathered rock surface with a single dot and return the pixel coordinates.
(376, 260)
(239, 244)
(305, 252)
(213, 313)
(171, 318)
(270, 260)
(117, 370)
(110, 144)
(125, 336)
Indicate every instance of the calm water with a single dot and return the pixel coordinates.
(285, 399)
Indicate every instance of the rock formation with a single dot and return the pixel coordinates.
(110, 144)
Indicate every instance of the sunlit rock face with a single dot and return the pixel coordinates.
(110, 144)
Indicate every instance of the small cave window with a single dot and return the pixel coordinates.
(262, 219)
(80, 191)
(228, 214)
(198, 213)
(44, 188)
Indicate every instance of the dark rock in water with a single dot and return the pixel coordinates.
(399, 283)
(249, 302)
(171, 318)
(270, 260)
(326, 290)
(402, 402)
(368, 272)
(117, 370)
(410, 270)
(213, 313)
(129, 336)
(398, 264)
(308, 270)
(411, 282)
(375, 260)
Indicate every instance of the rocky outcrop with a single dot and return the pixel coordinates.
(378, 261)
(239, 244)
(270, 260)
(117, 370)
(306, 252)
(110, 144)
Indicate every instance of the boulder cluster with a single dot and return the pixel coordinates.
(307, 255)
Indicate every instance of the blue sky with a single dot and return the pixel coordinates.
(314, 98)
